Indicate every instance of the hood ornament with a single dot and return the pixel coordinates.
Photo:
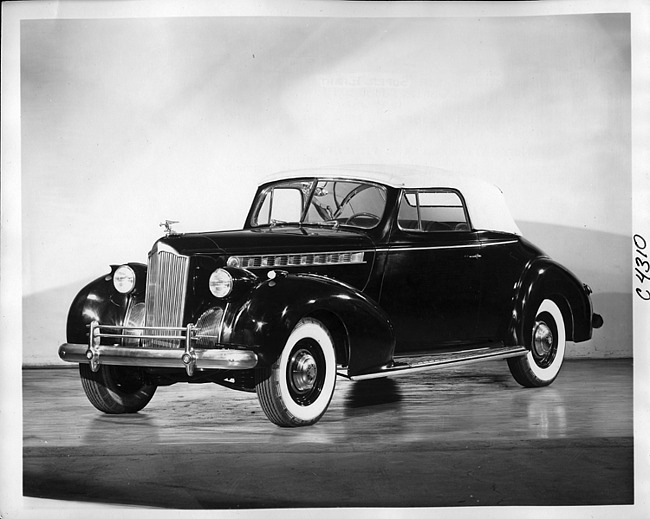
(167, 224)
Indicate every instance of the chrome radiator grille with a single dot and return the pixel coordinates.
(166, 291)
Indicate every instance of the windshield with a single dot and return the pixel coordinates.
(321, 202)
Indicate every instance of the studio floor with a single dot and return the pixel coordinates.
(462, 437)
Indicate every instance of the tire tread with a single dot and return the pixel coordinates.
(96, 385)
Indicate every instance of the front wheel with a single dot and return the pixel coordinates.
(298, 388)
(546, 343)
(116, 389)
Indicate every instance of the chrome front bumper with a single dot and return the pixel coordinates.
(186, 357)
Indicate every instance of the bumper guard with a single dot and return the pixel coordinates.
(189, 357)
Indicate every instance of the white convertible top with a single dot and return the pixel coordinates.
(485, 202)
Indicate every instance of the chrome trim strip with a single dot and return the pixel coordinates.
(489, 244)
(223, 323)
(435, 247)
(432, 247)
(383, 249)
(301, 259)
(160, 357)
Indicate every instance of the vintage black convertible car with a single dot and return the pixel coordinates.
(360, 271)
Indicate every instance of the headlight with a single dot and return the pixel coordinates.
(221, 283)
(124, 279)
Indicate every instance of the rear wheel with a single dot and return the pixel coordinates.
(116, 389)
(298, 388)
(546, 342)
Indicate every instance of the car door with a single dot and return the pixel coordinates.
(431, 279)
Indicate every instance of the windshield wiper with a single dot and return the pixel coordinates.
(274, 223)
(334, 224)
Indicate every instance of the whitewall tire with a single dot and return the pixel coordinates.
(298, 388)
(546, 342)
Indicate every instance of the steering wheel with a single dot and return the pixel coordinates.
(373, 217)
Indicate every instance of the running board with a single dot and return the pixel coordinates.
(408, 365)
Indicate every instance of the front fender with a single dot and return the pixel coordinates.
(270, 311)
(99, 301)
(542, 279)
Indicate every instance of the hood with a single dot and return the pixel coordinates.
(267, 240)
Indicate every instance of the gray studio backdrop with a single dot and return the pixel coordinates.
(128, 122)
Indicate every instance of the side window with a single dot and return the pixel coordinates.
(349, 203)
(407, 218)
(280, 205)
(364, 208)
(434, 210)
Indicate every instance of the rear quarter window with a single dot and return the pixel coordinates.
(432, 210)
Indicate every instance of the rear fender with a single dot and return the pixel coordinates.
(542, 279)
(99, 301)
(270, 311)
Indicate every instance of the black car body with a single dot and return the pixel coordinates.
(358, 272)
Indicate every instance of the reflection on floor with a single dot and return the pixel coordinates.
(458, 437)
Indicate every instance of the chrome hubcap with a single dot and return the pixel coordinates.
(303, 371)
(542, 339)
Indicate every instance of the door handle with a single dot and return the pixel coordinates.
(473, 256)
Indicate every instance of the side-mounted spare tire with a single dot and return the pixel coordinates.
(116, 389)
(298, 388)
(546, 342)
